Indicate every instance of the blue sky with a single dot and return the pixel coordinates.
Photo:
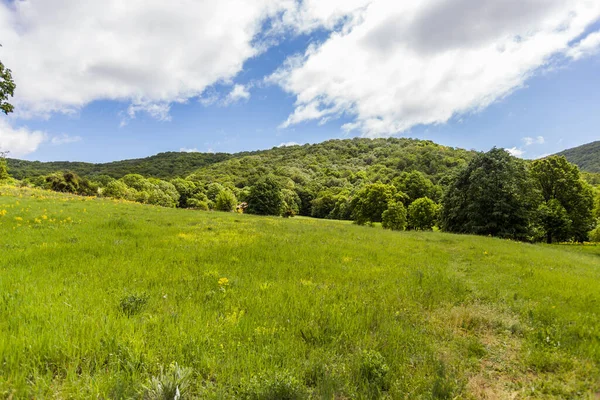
(299, 74)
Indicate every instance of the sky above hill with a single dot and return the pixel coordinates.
(107, 80)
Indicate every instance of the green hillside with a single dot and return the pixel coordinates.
(111, 299)
(586, 157)
(162, 165)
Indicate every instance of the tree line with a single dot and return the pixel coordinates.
(493, 194)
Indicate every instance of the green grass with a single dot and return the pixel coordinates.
(102, 299)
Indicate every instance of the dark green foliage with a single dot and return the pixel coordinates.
(570, 214)
(422, 214)
(163, 165)
(555, 221)
(265, 197)
(370, 202)
(69, 182)
(493, 196)
(586, 157)
(323, 206)
(225, 201)
(394, 217)
(7, 89)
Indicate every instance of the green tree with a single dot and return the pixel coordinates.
(394, 217)
(265, 197)
(555, 221)
(416, 186)
(370, 202)
(422, 214)
(7, 89)
(226, 201)
(559, 180)
(492, 195)
(291, 203)
(3, 167)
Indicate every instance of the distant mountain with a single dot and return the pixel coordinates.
(162, 165)
(586, 157)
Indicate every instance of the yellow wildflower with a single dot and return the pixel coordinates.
(18, 219)
(223, 282)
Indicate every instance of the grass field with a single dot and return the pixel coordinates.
(101, 299)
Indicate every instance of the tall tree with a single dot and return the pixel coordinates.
(560, 183)
(7, 89)
(265, 197)
(491, 196)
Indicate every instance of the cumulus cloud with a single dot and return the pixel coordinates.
(186, 150)
(513, 151)
(67, 53)
(528, 141)
(400, 64)
(19, 141)
(586, 47)
(65, 139)
(288, 144)
(239, 92)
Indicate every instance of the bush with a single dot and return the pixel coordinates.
(265, 197)
(422, 214)
(394, 217)
(225, 201)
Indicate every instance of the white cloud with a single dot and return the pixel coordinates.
(19, 141)
(67, 53)
(288, 144)
(586, 47)
(528, 141)
(239, 92)
(185, 150)
(65, 139)
(513, 151)
(399, 64)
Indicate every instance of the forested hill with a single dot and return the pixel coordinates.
(162, 165)
(586, 157)
(338, 161)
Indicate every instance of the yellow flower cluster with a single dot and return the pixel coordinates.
(223, 282)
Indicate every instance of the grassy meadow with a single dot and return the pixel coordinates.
(116, 300)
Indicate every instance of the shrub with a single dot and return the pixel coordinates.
(265, 197)
(595, 234)
(226, 201)
(422, 214)
(394, 217)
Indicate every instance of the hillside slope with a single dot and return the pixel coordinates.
(586, 157)
(162, 165)
(99, 299)
(339, 162)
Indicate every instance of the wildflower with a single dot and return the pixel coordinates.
(2, 213)
(18, 219)
(223, 282)
(485, 253)
(44, 217)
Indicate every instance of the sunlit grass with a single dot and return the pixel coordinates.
(107, 299)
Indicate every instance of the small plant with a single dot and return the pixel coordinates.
(281, 386)
(132, 304)
(374, 370)
(173, 384)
